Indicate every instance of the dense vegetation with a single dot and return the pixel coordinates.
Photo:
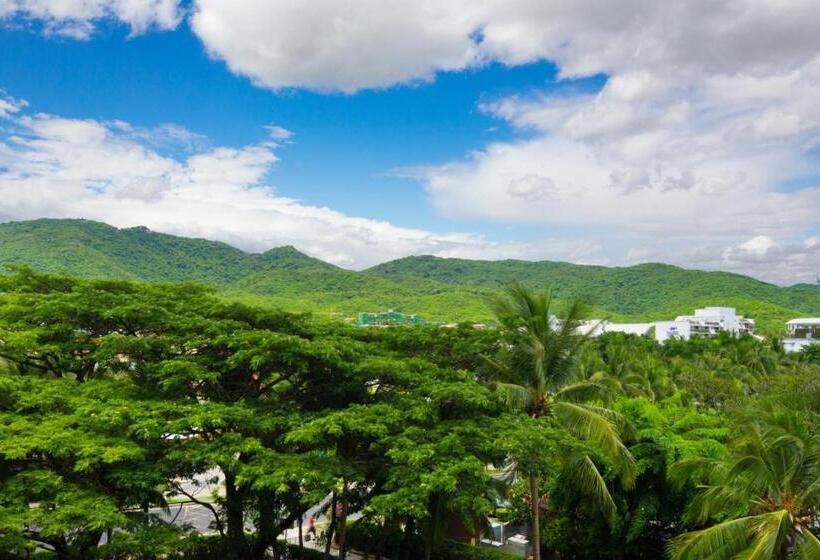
(114, 394)
(438, 289)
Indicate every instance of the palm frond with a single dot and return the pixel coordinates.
(584, 474)
(588, 423)
(517, 397)
(715, 499)
(719, 542)
(586, 391)
(808, 547)
(769, 533)
(691, 470)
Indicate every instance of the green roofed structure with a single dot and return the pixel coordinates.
(387, 318)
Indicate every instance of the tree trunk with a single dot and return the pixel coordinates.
(409, 530)
(332, 527)
(266, 532)
(234, 516)
(301, 542)
(343, 524)
(382, 538)
(535, 537)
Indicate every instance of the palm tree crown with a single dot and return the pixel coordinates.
(536, 371)
(768, 487)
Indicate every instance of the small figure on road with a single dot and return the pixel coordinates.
(311, 526)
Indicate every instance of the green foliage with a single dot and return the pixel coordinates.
(457, 551)
(113, 394)
(764, 496)
(366, 536)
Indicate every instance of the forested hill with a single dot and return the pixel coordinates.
(436, 288)
(638, 289)
(93, 249)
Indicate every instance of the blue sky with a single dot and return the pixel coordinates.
(481, 130)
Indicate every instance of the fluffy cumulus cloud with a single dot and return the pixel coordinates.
(117, 173)
(77, 18)
(337, 46)
(763, 256)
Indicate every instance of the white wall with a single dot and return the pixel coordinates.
(629, 328)
(797, 344)
(664, 330)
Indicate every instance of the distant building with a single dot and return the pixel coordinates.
(597, 328)
(706, 322)
(801, 333)
(387, 318)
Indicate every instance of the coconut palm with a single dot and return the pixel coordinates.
(767, 492)
(624, 373)
(536, 373)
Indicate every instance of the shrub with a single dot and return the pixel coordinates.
(291, 552)
(449, 550)
(363, 536)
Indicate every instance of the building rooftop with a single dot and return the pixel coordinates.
(805, 321)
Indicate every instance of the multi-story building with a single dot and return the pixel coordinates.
(801, 333)
(709, 321)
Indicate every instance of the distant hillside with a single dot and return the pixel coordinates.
(644, 289)
(436, 288)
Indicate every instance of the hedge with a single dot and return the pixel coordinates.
(363, 536)
(449, 550)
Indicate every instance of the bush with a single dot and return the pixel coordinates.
(213, 548)
(363, 536)
(449, 550)
(291, 552)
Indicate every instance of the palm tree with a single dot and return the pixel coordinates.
(767, 490)
(625, 372)
(537, 373)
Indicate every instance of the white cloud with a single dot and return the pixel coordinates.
(76, 19)
(779, 262)
(330, 45)
(113, 172)
(9, 105)
(279, 133)
(340, 46)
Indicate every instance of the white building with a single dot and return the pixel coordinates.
(801, 333)
(599, 327)
(709, 321)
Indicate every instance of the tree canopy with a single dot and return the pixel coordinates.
(120, 400)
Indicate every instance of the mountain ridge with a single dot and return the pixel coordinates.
(438, 288)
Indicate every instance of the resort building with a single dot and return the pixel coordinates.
(801, 333)
(707, 322)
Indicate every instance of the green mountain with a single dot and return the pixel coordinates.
(650, 290)
(436, 288)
